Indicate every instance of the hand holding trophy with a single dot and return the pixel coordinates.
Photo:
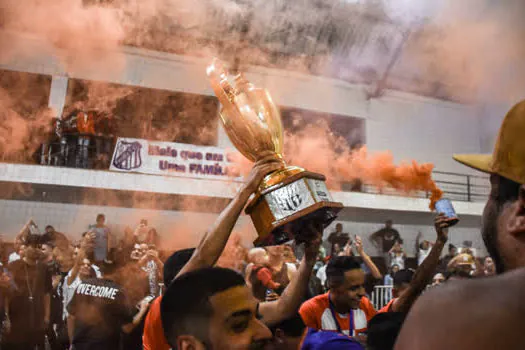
(289, 201)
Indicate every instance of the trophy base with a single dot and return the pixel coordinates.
(287, 209)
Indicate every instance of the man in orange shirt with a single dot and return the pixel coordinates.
(344, 308)
(153, 337)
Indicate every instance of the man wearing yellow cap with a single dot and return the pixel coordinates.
(484, 313)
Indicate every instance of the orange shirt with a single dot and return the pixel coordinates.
(316, 314)
(153, 336)
(86, 123)
(387, 307)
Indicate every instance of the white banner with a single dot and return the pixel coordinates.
(171, 159)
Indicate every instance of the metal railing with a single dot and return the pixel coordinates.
(381, 296)
(455, 186)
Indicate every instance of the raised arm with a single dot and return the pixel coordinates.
(21, 236)
(76, 267)
(374, 271)
(418, 239)
(212, 244)
(286, 306)
(425, 271)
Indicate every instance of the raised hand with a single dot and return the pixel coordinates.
(312, 245)
(262, 168)
(441, 225)
(359, 245)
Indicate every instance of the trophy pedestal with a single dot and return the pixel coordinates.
(285, 210)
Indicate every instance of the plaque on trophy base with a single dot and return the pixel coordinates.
(283, 211)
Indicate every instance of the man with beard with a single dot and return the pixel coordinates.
(212, 308)
(344, 309)
(484, 313)
(29, 304)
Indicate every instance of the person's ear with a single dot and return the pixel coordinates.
(188, 342)
(516, 222)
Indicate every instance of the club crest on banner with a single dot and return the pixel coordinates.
(127, 155)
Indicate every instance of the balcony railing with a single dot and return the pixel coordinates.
(455, 186)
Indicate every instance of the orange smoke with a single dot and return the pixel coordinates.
(317, 149)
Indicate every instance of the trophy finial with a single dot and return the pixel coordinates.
(218, 75)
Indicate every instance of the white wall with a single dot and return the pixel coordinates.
(411, 126)
(185, 229)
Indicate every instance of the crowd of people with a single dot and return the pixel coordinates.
(219, 295)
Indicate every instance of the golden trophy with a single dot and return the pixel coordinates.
(289, 201)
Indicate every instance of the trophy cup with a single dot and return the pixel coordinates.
(288, 201)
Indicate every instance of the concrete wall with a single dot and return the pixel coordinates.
(411, 126)
(184, 229)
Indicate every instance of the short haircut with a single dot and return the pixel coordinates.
(383, 330)
(32, 240)
(291, 327)
(403, 277)
(101, 216)
(49, 244)
(337, 267)
(504, 191)
(186, 308)
(175, 263)
(49, 226)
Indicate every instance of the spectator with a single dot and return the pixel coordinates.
(282, 272)
(99, 312)
(397, 256)
(338, 237)
(321, 275)
(140, 279)
(438, 279)
(290, 334)
(141, 231)
(344, 308)
(101, 240)
(409, 285)
(57, 333)
(463, 266)
(47, 254)
(29, 303)
(82, 270)
(389, 278)
(152, 237)
(261, 279)
(56, 239)
(489, 269)
(389, 281)
(196, 298)
(18, 253)
(151, 264)
(386, 238)
(422, 249)
(153, 335)
(452, 252)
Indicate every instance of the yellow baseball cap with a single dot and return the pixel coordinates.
(508, 158)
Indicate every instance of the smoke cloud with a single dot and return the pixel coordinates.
(461, 50)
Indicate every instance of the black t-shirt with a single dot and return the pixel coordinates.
(26, 302)
(100, 308)
(389, 236)
(340, 238)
